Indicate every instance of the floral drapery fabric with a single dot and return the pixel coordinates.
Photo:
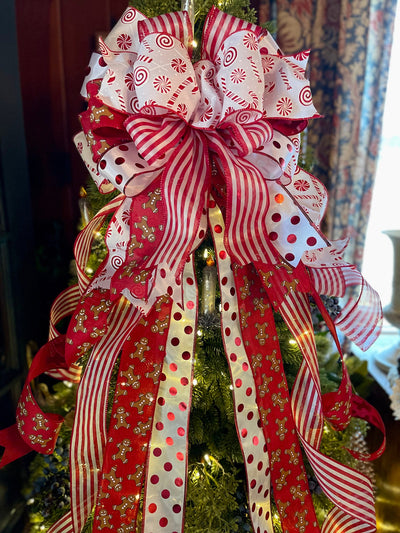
(350, 42)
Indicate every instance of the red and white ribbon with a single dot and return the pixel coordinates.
(191, 147)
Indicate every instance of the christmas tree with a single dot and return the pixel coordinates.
(222, 495)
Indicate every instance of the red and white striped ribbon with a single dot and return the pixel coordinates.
(62, 307)
(328, 281)
(177, 24)
(348, 489)
(83, 243)
(360, 319)
(154, 138)
(247, 207)
(218, 27)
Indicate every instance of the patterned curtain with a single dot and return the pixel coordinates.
(350, 42)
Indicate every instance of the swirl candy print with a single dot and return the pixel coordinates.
(196, 148)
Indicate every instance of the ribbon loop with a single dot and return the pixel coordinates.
(176, 24)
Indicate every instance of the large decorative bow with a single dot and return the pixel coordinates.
(196, 148)
(237, 113)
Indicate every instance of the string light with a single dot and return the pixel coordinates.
(207, 458)
(196, 474)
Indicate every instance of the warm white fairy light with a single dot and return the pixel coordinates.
(292, 342)
(194, 382)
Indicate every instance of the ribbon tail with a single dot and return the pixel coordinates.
(288, 474)
(38, 430)
(247, 416)
(89, 433)
(361, 318)
(14, 444)
(341, 405)
(168, 454)
(362, 409)
(355, 499)
(131, 420)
